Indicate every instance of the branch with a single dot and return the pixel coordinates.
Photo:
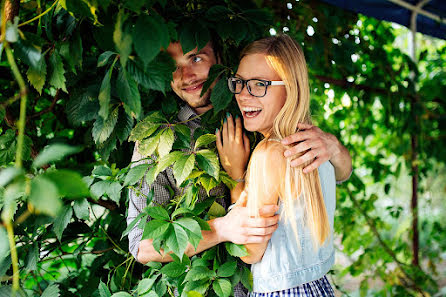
(110, 205)
(48, 109)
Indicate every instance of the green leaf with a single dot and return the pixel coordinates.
(173, 269)
(147, 42)
(216, 210)
(148, 146)
(62, 221)
(227, 180)
(215, 71)
(166, 142)
(199, 273)
(103, 290)
(222, 287)
(123, 126)
(142, 130)
(104, 94)
(82, 106)
(177, 240)
(129, 94)
(102, 129)
(104, 57)
(155, 229)
(194, 294)
(179, 211)
(44, 196)
(247, 278)
(183, 167)
(98, 189)
(191, 225)
(122, 39)
(158, 212)
(236, 250)
(145, 285)
(121, 294)
(227, 269)
(4, 244)
(36, 76)
(8, 174)
(208, 161)
(101, 170)
(220, 96)
(57, 73)
(51, 291)
(135, 174)
(142, 216)
(69, 183)
(81, 209)
(113, 191)
(207, 182)
(187, 37)
(204, 140)
(168, 160)
(54, 153)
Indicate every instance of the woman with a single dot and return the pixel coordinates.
(272, 92)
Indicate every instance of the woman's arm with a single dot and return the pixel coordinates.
(264, 186)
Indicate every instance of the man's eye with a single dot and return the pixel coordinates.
(196, 59)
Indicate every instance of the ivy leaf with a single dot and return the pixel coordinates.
(222, 287)
(173, 269)
(135, 174)
(158, 212)
(102, 129)
(247, 278)
(148, 146)
(199, 273)
(57, 73)
(143, 129)
(177, 240)
(141, 217)
(69, 183)
(36, 76)
(104, 95)
(155, 229)
(145, 285)
(191, 225)
(204, 140)
(129, 94)
(122, 39)
(81, 209)
(121, 294)
(51, 291)
(82, 105)
(220, 96)
(113, 191)
(147, 43)
(166, 142)
(54, 153)
(4, 244)
(236, 250)
(104, 57)
(187, 37)
(103, 290)
(123, 126)
(183, 167)
(62, 221)
(216, 210)
(44, 196)
(215, 71)
(227, 269)
(168, 160)
(208, 161)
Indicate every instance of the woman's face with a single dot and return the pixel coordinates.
(259, 112)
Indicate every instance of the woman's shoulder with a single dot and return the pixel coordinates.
(270, 148)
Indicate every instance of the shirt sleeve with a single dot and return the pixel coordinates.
(138, 200)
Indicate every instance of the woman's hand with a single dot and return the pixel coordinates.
(233, 147)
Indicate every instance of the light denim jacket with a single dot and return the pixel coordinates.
(285, 264)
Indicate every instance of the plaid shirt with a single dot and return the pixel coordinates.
(161, 195)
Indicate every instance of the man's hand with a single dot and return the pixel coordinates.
(233, 147)
(317, 146)
(239, 227)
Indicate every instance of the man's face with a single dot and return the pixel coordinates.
(191, 73)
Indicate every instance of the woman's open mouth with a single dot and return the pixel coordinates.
(251, 112)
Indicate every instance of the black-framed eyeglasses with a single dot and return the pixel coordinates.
(256, 87)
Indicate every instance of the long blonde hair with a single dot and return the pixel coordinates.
(286, 57)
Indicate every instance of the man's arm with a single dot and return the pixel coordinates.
(311, 143)
(236, 226)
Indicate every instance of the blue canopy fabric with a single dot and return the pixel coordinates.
(388, 11)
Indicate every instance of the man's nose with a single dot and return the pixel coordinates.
(187, 73)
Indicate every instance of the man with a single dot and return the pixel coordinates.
(236, 226)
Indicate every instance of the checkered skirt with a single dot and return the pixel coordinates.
(320, 287)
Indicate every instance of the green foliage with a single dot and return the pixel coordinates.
(68, 204)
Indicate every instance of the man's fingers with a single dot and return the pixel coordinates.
(268, 210)
(315, 164)
(303, 126)
(261, 231)
(262, 222)
(296, 137)
(256, 239)
(308, 156)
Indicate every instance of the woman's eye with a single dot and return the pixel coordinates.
(260, 84)
(196, 59)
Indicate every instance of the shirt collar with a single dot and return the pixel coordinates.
(186, 113)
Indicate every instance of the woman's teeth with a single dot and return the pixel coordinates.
(251, 112)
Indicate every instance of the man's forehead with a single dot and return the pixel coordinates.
(175, 50)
